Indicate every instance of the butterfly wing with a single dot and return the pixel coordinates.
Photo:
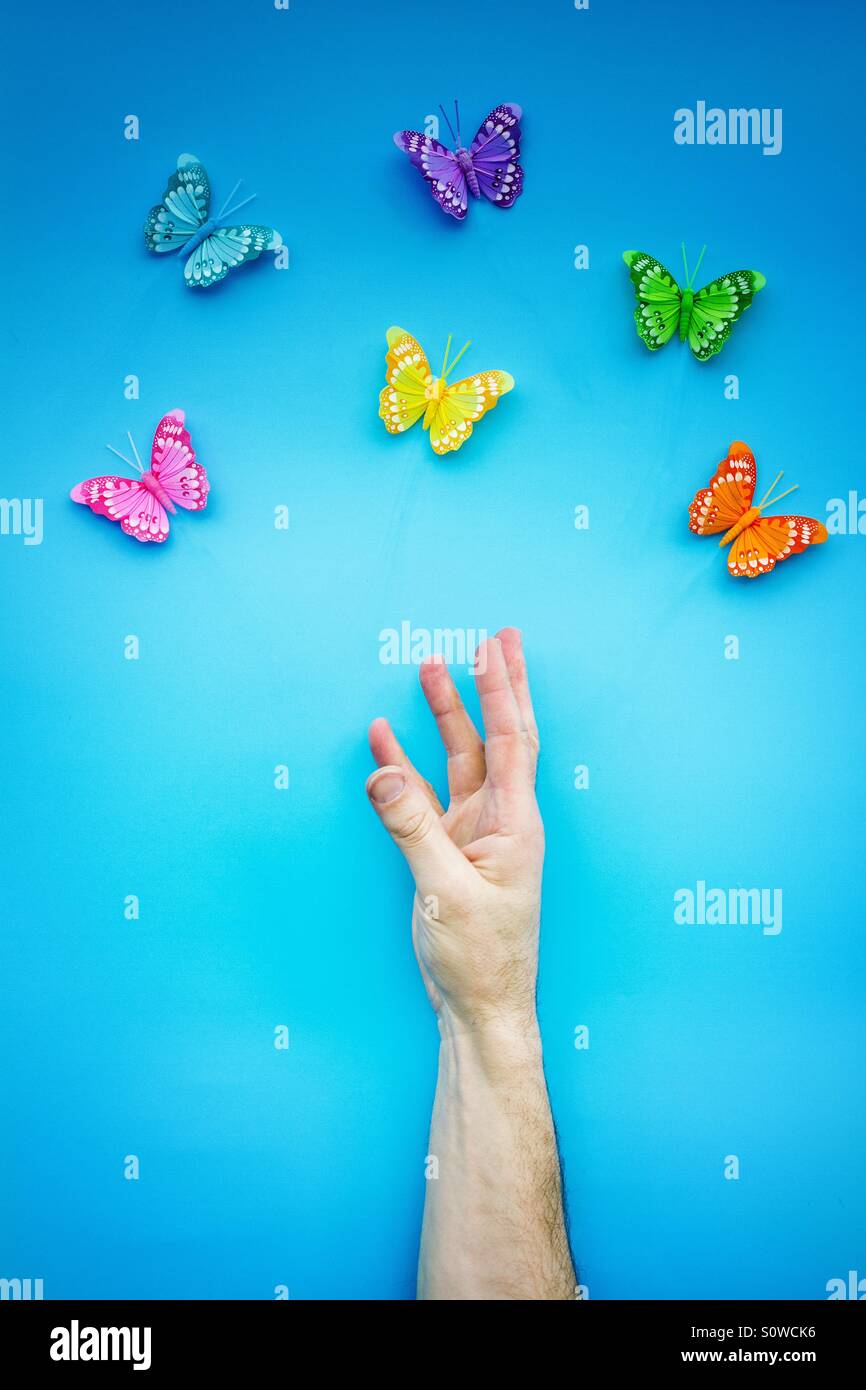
(414, 144)
(462, 404)
(494, 153)
(173, 464)
(125, 500)
(728, 494)
(769, 540)
(717, 307)
(184, 207)
(659, 299)
(226, 248)
(147, 519)
(407, 372)
(439, 167)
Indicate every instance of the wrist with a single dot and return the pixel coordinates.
(495, 1047)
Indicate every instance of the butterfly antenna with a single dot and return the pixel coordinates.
(242, 204)
(457, 358)
(138, 463)
(448, 123)
(698, 266)
(763, 501)
(229, 198)
(773, 500)
(444, 371)
(129, 463)
(685, 262)
(457, 119)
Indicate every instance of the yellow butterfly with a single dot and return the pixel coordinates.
(413, 391)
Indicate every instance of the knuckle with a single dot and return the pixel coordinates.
(414, 829)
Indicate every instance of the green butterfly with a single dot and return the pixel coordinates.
(704, 318)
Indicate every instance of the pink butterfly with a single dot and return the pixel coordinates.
(141, 505)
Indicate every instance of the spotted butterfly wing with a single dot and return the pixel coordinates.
(769, 540)
(450, 424)
(226, 248)
(659, 299)
(728, 495)
(494, 153)
(440, 167)
(174, 466)
(183, 210)
(716, 309)
(127, 501)
(407, 372)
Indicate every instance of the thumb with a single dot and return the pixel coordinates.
(405, 811)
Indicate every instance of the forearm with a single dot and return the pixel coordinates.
(494, 1226)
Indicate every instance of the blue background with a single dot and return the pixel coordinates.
(260, 647)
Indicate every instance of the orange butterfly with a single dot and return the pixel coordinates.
(758, 543)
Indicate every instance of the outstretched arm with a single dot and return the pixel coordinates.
(494, 1226)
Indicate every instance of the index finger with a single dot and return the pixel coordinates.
(459, 735)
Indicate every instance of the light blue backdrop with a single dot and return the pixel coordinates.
(260, 647)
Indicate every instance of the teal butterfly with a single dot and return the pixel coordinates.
(705, 318)
(181, 223)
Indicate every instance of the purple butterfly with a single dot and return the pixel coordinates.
(489, 167)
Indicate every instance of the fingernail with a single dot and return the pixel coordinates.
(385, 786)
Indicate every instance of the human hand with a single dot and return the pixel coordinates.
(477, 865)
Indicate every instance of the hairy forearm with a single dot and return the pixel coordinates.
(494, 1226)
